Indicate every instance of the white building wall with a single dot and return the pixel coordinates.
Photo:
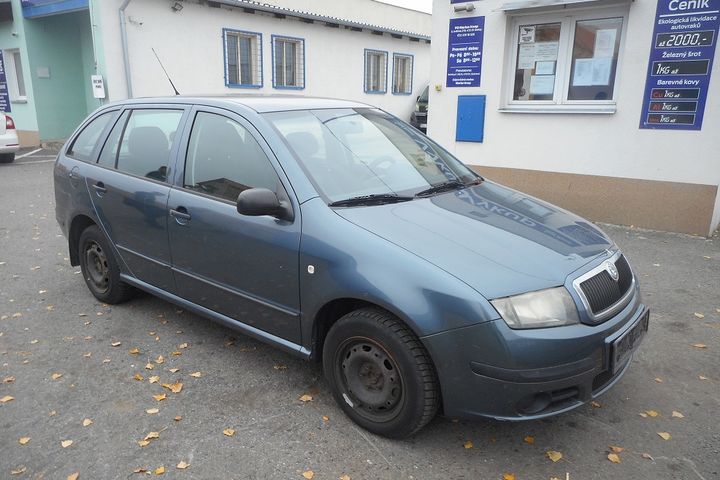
(609, 145)
(190, 46)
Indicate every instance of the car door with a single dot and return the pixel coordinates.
(129, 189)
(243, 267)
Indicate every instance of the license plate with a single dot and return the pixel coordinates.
(624, 346)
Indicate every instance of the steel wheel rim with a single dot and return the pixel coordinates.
(97, 268)
(372, 383)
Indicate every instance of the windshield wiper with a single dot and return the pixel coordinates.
(374, 199)
(447, 186)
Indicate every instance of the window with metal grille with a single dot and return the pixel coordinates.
(243, 59)
(375, 71)
(288, 62)
(402, 74)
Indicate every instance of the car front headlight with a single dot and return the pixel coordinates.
(545, 308)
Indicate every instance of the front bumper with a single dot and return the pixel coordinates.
(490, 370)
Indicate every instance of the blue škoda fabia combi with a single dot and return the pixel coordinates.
(337, 232)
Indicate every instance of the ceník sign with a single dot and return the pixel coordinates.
(680, 64)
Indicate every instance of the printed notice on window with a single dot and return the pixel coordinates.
(542, 84)
(527, 34)
(605, 43)
(526, 56)
(546, 51)
(592, 72)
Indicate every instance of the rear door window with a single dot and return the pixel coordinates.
(84, 144)
(109, 153)
(145, 146)
(223, 159)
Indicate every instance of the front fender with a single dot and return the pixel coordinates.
(347, 261)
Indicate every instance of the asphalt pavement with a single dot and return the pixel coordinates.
(84, 398)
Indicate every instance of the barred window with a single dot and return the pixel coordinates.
(243, 59)
(288, 62)
(402, 74)
(375, 71)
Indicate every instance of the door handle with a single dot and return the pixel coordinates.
(181, 215)
(100, 189)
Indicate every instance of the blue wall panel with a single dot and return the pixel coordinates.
(470, 125)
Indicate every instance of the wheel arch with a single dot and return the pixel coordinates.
(79, 224)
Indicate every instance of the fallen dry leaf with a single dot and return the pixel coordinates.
(182, 465)
(33, 342)
(702, 377)
(116, 344)
(306, 398)
(66, 443)
(18, 471)
(647, 455)
(699, 345)
(88, 355)
(134, 351)
(159, 360)
(87, 422)
(196, 374)
(6, 398)
(553, 455)
(152, 411)
(149, 366)
(177, 418)
(107, 360)
(160, 470)
(182, 345)
(24, 440)
(508, 476)
(699, 315)
(325, 418)
(140, 470)
(659, 380)
(138, 377)
(173, 387)
(613, 457)
(615, 449)
(664, 435)
(73, 476)
(152, 435)
(595, 404)
(280, 367)
(143, 443)
(55, 376)
(651, 413)
(468, 445)
(160, 397)
(52, 413)
(677, 414)
(529, 440)
(229, 432)
(309, 474)
(173, 370)
(9, 379)
(345, 477)
(154, 379)
(176, 354)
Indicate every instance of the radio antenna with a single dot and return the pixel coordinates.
(166, 74)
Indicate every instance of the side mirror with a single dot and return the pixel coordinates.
(417, 99)
(256, 202)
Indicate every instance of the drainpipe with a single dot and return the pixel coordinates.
(123, 36)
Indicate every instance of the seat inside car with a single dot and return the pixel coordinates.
(148, 146)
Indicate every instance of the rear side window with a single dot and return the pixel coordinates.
(84, 144)
(223, 159)
(145, 145)
(109, 153)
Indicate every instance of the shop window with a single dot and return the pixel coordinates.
(375, 71)
(15, 75)
(243, 59)
(288, 62)
(565, 62)
(402, 74)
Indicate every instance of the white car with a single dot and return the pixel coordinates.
(9, 143)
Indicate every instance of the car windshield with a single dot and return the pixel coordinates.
(350, 153)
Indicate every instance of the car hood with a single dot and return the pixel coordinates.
(499, 241)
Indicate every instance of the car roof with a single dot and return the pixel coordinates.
(261, 103)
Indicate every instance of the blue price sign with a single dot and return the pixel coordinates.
(681, 58)
(4, 95)
(465, 45)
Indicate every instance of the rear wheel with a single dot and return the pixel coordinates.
(380, 374)
(7, 157)
(99, 268)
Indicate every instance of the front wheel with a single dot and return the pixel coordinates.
(99, 268)
(380, 374)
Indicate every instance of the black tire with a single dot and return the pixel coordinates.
(380, 374)
(7, 157)
(100, 269)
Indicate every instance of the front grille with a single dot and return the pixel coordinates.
(602, 292)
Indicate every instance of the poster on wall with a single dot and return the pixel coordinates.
(680, 64)
(465, 46)
(4, 95)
